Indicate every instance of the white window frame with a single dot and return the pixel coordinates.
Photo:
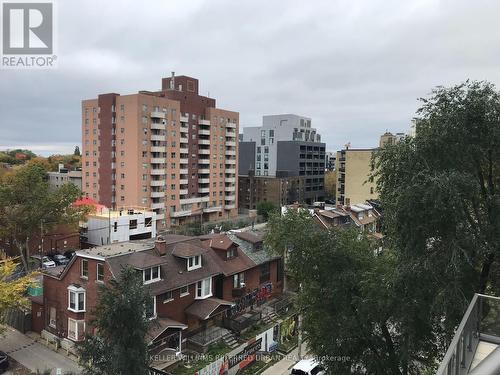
(52, 322)
(81, 268)
(171, 297)
(97, 272)
(193, 263)
(184, 294)
(75, 321)
(238, 279)
(76, 291)
(154, 310)
(150, 270)
(202, 286)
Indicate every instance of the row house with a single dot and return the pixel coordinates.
(194, 283)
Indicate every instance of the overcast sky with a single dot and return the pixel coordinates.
(355, 67)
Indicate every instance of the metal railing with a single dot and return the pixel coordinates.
(481, 322)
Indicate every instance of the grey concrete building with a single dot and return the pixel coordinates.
(285, 146)
(63, 176)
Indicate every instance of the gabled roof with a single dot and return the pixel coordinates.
(220, 242)
(239, 263)
(159, 325)
(203, 308)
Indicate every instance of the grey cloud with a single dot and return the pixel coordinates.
(356, 68)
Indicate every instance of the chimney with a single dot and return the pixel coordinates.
(172, 81)
(161, 245)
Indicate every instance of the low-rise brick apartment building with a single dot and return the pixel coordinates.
(171, 150)
(195, 283)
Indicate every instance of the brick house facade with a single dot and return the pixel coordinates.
(193, 281)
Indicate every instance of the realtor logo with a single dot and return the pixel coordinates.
(27, 35)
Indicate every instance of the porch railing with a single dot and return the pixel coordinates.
(481, 322)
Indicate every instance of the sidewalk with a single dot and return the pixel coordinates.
(283, 366)
(34, 355)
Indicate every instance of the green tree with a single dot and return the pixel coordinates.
(77, 151)
(12, 291)
(439, 191)
(119, 347)
(347, 298)
(264, 209)
(441, 199)
(28, 206)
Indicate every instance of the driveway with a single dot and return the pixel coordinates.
(34, 355)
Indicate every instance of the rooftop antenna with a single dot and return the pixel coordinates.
(347, 145)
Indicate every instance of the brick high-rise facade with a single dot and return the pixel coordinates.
(170, 150)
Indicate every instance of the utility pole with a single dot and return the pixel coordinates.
(41, 246)
(299, 327)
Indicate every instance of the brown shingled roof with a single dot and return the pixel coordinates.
(187, 250)
(143, 260)
(237, 264)
(205, 307)
(161, 324)
(220, 242)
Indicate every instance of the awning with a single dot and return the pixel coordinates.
(204, 308)
(160, 325)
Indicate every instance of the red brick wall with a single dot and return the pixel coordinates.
(56, 295)
(37, 317)
(175, 309)
(252, 281)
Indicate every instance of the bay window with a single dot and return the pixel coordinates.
(204, 288)
(76, 299)
(76, 329)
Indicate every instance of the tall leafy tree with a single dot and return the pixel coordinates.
(119, 346)
(28, 207)
(395, 313)
(441, 200)
(354, 317)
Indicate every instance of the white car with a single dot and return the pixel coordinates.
(47, 262)
(308, 367)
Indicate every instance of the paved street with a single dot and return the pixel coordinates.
(34, 355)
(283, 366)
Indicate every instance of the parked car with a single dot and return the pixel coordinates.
(69, 254)
(60, 259)
(4, 362)
(47, 262)
(308, 367)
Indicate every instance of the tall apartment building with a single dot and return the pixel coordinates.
(170, 150)
(354, 167)
(330, 158)
(285, 146)
(389, 139)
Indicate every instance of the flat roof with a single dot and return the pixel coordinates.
(115, 249)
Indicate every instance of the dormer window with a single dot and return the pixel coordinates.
(150, 275)
(231, 253)
(194, 262)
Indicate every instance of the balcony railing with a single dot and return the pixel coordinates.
(480, 323)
